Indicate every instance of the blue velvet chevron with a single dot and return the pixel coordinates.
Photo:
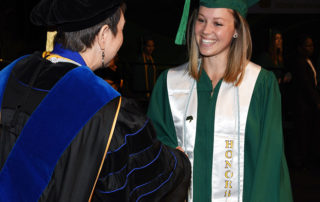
(49, 131)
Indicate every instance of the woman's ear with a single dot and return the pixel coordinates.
(103, 36)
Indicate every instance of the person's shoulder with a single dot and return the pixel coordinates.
(257, 67)
(267, 74)
(264, 75)
(267, 79)
(266, 84)
(132, 113)
(130, 117)
(251, 71)
(131, 106)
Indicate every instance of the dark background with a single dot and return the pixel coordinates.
(161, 19)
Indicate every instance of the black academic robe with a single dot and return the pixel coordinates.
(137, 167)
(307, 96)
(306, 115)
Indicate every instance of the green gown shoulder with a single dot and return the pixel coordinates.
(160, 113)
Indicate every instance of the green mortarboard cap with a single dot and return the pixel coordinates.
(239, 5)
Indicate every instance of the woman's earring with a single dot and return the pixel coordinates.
(102, 58)
(235, 35)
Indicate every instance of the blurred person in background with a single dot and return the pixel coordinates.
(306, 101)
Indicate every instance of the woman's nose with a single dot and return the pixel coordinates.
(207, 29)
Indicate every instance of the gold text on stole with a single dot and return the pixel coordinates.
(228, 168)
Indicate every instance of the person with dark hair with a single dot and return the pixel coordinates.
(66, 134)
(273, 59)
(306, 104)
(223, 111)
(144, 71)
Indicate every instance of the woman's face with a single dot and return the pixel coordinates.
(149, 47)
(113, 44)
(214, 29)
(308, 47)
(278, 40)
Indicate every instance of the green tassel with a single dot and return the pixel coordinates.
(180, 38)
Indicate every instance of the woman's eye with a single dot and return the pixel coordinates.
(217, 24)
(200, 20)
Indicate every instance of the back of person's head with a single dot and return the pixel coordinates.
(77, 21)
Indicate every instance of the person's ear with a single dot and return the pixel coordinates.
(103, 36)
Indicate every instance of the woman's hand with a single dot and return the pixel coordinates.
(180, 148)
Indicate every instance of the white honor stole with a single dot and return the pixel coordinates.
(229, 128)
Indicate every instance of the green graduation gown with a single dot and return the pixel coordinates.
(266, 176)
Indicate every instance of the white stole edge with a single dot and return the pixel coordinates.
(182, 92)
(180, 85)
(225, 177)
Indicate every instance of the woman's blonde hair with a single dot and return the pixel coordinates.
(239, 53)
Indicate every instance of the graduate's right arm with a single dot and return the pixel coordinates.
(159, 112)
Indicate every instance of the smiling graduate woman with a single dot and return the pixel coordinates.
(66, 135)
(223, 111)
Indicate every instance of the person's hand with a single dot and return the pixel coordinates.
(180, 148)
